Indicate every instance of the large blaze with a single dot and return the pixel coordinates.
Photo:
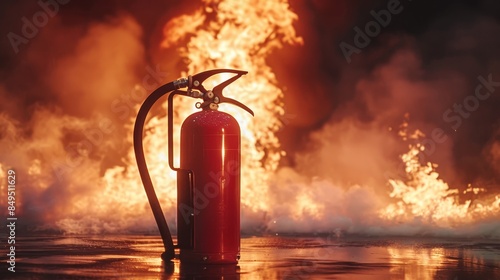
(69, 188)
(232, 34)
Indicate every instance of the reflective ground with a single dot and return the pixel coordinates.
(138, 257)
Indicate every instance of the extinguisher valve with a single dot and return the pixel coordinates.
(210, 94)
(195, 94)
(211, 98)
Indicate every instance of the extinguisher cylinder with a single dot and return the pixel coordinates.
(208, 217)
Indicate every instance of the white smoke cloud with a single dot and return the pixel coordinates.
(59, 153)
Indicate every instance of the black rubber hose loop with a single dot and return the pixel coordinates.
(169, 253)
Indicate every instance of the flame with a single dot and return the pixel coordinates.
(426, 197)
(233, 34)
(219, 34)
(238, 34)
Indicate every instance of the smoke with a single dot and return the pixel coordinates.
(422, 75)
(102, 65)
(492, 152)
(318, 205)
(423, 83)
(65, 139)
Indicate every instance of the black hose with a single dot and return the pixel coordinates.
(169, 253)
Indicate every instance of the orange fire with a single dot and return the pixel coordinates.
(221, 34)
(237, 34)
(428, 197)
(234, 34)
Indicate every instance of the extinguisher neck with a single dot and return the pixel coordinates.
(212, 107)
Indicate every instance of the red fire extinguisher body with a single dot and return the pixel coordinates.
(208, 215)
(208, 178)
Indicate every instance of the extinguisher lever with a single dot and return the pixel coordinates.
(215, 95)
(237, 103)
(196, 81)
(218, 88)
(218, 96)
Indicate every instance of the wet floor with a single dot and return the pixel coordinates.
(138, 257)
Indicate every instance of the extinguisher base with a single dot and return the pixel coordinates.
(187, 256)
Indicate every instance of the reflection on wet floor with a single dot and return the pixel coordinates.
(134, 257)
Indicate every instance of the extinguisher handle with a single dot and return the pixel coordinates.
(222, 99)
(237, 103)
(196, 82)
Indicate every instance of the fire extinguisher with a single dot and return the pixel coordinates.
(208, 178)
